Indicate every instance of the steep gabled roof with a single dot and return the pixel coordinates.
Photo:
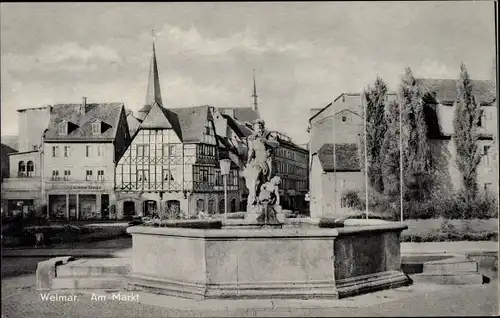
(444, 91)
(107, 113)
(190, 121)
(239, 128)
(243, 114)
(346, 157)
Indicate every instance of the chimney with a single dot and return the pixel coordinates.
(83, 106)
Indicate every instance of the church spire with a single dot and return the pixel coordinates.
(254, 96)
(153, 93)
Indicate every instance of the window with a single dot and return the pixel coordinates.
(22, 169)
(344, 119)
(67, 174)
(480, 122)
(142, 175)
(100, 175)
(88, 151)
(167, 175)
(96, 128)
(31, 169)
(55, 174)
(204, 174)
(55, 151)
(142, 150)
(168, 150)
(62, 128)
(486, 154)
(88, 175)
(100, 150)
(66, 151)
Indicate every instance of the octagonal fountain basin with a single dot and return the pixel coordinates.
(253, 262)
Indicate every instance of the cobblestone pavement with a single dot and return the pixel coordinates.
(20, 299)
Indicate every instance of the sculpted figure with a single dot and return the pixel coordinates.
(269, 198)
(259, 162)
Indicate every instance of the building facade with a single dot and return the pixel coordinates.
(290, 162)
(81, 146)
(341, 123)
(338, 129)
(22, 190)
(171, 167)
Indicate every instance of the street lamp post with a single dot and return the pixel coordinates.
(225, 167)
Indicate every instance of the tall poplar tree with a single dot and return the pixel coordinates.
(375, 102)
(415, 144)
(390, 151)
(465, 136)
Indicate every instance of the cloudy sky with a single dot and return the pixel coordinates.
(304, 54)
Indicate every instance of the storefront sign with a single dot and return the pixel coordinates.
(78, 187)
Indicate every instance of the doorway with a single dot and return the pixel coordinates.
(128, 210)
(149, 208)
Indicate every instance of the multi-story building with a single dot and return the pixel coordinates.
(340, 123)
(172, 164)
(81, 145)
(290, 162)
(21, 191)
(440, 105)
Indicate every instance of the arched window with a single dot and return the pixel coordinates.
(22, 169)
(31, 169)
(233, 205)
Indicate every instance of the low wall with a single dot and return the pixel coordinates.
(265, 263)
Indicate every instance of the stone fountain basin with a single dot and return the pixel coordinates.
(245, 262)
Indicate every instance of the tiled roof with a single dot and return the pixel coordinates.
(445, 90)
(133, 123)
(188, 122)
(243, 114)
(80, 127)
(347, 157)
(238, 127)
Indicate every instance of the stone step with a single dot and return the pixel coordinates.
(450, 267)
(75, 283)
(464, 278)
(94, 268)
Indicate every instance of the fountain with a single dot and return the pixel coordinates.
(267, 259)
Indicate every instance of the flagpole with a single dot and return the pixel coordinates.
(334, 164)
(366, 158)
(401, 159)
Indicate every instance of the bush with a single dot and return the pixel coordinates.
(351, 198)
(456, 206)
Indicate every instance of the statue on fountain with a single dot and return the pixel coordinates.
(258, 170)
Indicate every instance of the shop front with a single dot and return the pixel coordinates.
(20, 196)
(79, 201)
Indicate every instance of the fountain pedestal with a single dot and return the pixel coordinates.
(266, 263)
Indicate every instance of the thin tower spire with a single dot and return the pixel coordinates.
(153, 92)
(254, 96)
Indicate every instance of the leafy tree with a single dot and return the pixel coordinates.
(465, 136)
(375, 101)
(390, 151)
(415, 144)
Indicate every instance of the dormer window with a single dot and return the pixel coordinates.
(344, 119)
(96, 128)
(62, 129)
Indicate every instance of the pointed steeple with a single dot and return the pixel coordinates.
(153, 93)
(254, 96)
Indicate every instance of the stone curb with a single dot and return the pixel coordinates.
(13, 253)
(360, 301)
(46, 271)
